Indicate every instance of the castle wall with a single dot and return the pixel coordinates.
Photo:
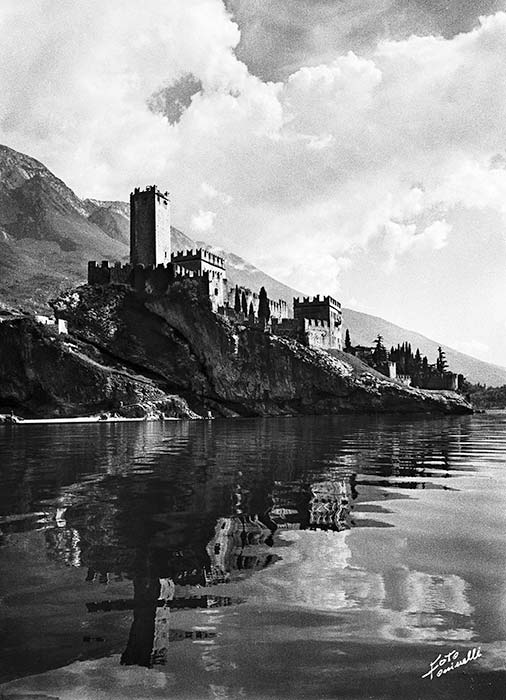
(201, 259)
(404, 379)
(149, 227)
(447, 380)
(289, 328)
(155, 279)
(322, 334)
(311, 332)
(278, 307)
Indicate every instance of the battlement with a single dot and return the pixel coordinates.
(278, 308)
(316, 301)
(200, 255)
(107, 273)
(148, 191)
(156, 279)
(316, 323)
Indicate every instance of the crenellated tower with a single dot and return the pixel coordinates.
(149, 227)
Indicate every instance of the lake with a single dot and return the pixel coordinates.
(311, 557)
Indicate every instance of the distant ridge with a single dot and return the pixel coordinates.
(47, 235)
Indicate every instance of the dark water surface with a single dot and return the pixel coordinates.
(314, 557)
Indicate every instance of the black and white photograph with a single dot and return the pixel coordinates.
(253, 350)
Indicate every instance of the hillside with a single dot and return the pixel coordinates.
(47, 235)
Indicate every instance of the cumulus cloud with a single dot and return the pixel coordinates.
(299, 175)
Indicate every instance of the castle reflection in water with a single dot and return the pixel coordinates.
(240, 545)
(173, 515)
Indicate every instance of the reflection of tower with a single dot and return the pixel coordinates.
(161, 638)
(240, 543)
(140, 641)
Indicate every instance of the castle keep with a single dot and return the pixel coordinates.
(153, 267)
(149, 227)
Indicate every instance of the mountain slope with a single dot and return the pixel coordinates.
(47, 235)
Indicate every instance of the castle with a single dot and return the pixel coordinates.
(153, 267)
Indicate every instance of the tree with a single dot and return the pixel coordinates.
(441, 363)
(264, 311)
(244, 303)
(237, 301)
(347, 341)
(251, 313)
(379, 354)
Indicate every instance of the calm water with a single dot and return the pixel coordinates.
(279, 558)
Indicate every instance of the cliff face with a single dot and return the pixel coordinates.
(231, 368)
(46, 375)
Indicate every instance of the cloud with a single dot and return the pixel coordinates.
(278, 37)
(436, 235)
(203, 222)
(77, 78)
(299, 174)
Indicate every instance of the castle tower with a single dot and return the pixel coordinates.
(325, 313)
(149, 227)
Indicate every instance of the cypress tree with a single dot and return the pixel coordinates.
(441, 363)
(263, 306)
(380, 354)
(244, 303)
(237, 301)
(251, 313)
(347, 341)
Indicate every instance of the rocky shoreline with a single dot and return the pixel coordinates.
(170, 356)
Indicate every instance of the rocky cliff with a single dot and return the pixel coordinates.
(227, 367)
(43, 374)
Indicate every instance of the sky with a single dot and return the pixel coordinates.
(350, 147)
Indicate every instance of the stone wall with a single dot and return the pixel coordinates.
(278, 307)
(310, 332)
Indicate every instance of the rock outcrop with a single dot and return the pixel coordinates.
(232, 369)
(43, 374)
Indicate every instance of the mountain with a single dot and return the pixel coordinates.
(47, 235)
